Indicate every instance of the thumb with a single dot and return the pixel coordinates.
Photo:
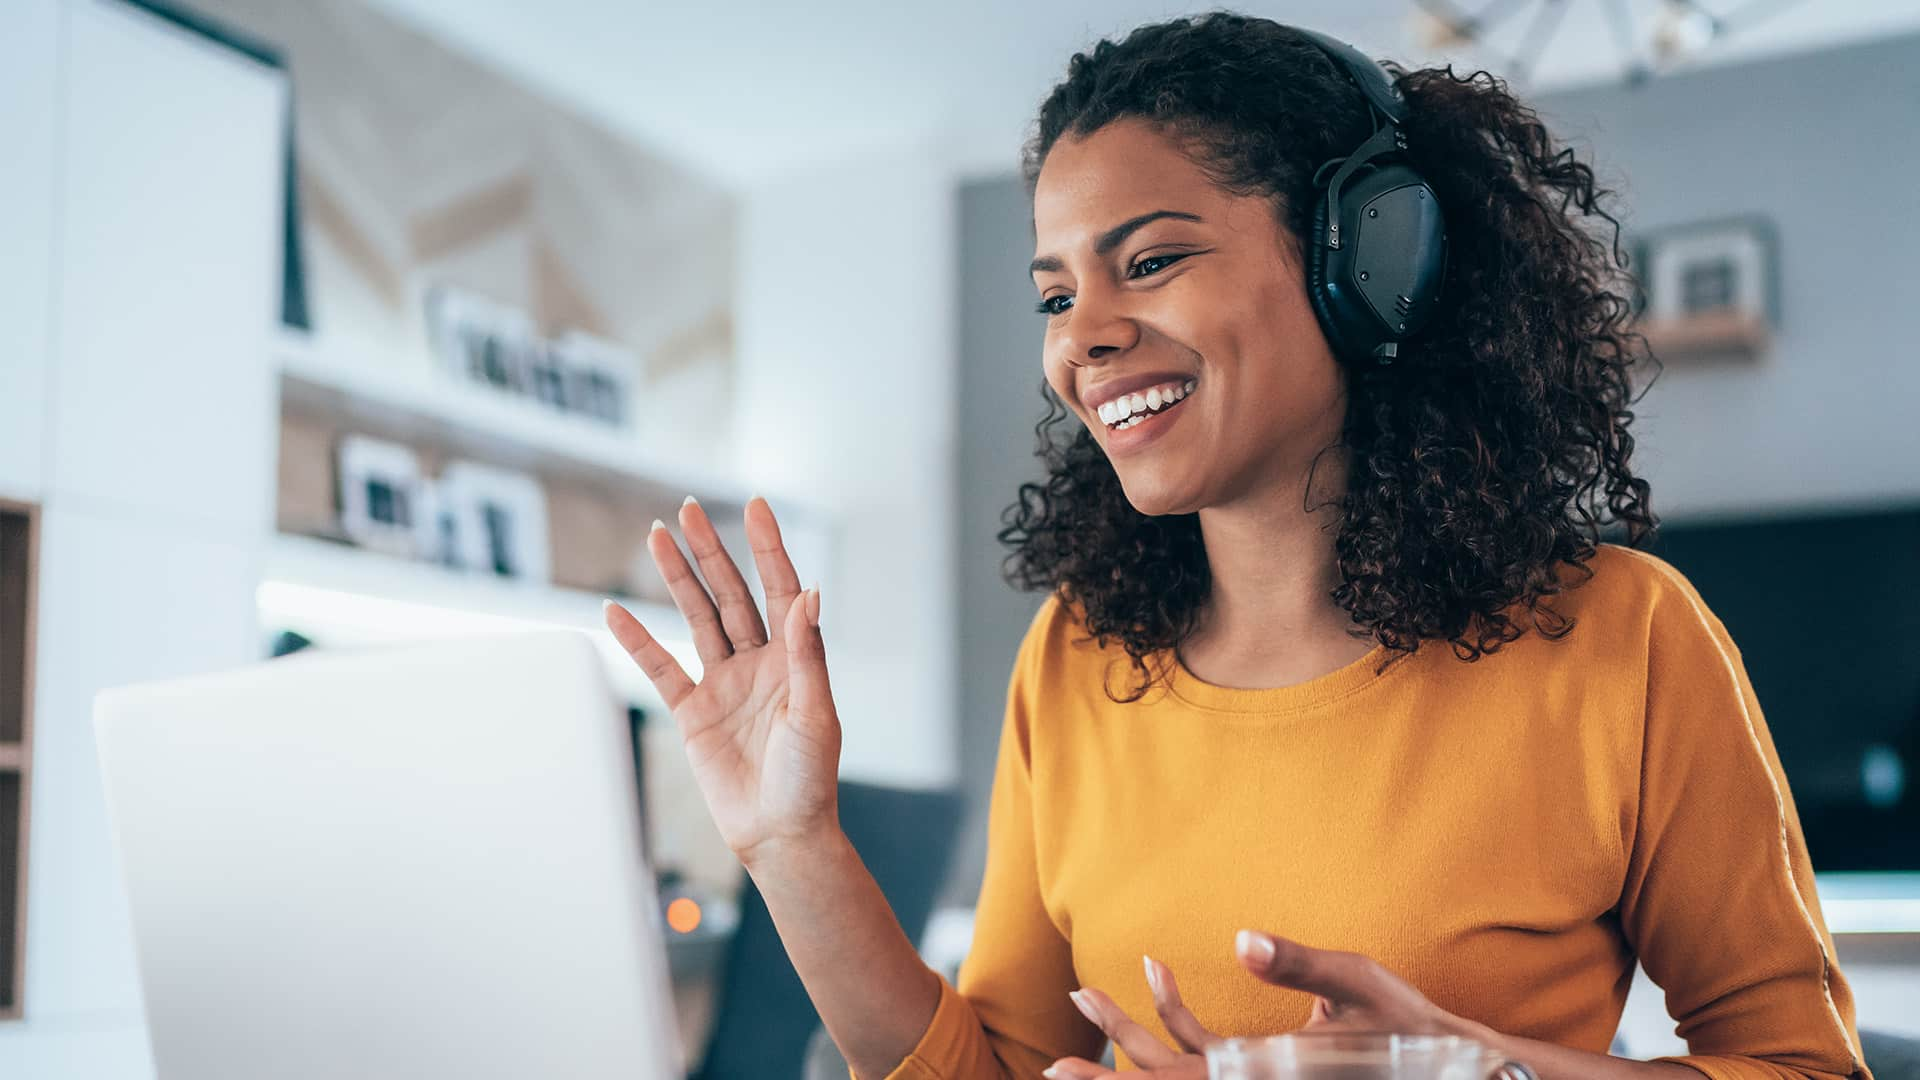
(809, 696)
(1338, 976)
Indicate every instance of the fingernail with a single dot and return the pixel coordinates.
(657, 525)
(605, 606)
(1153, 976)
(1049, 1072)
(1254, 946)
(1086, 1007)
(689, 502)
(813, 605)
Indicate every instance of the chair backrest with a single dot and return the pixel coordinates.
(764, 1018)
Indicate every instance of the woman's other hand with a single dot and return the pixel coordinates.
(1351, 992)
(759, 727)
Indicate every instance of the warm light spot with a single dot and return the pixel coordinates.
(683, 915)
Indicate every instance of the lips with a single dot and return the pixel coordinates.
(1108, 390)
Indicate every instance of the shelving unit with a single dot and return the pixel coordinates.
(344, 596)
(19, 539)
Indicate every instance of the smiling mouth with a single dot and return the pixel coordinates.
(1132, 409)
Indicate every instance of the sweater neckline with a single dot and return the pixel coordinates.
(1315, 693)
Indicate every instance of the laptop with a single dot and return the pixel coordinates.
(415, 862)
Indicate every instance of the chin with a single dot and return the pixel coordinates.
(1157, 497)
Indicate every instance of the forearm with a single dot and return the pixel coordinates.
(872, 991)
(1553, 1062)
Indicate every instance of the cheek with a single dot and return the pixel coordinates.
(1059, 375)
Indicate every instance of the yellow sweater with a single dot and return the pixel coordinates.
(1508, 835)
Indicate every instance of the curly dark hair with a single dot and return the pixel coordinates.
(1490, 456)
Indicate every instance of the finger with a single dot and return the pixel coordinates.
(703, 619)
(1074, 1068)
(738, 615)
(1181, 1023)
(777, 578)
(661, 669)
(1146, 1049)
(1341, 977)
(809, 695)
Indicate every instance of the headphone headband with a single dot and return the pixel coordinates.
(1364, 72)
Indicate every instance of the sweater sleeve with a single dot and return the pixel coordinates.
(1009, 1017)
(1718, 899)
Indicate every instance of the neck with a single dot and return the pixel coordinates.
(1271, 557)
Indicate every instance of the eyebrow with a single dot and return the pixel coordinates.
(1113, 237)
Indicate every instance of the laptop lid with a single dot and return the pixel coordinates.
(423, 861)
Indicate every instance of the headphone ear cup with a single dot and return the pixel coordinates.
(1317, 279)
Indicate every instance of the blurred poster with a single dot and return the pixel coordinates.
(418, 167)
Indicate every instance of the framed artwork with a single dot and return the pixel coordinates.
(494, 521)
(379, 494)
(480, 341)
(597, 375)
(1708, 288)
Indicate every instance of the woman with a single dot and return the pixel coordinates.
(1337, 707)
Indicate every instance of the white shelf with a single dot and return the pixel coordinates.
(412, 404)
(342, 596)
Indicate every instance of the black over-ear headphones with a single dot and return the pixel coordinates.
(1378, 252)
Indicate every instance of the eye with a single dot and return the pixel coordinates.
(1149, 266)
(1152, 264)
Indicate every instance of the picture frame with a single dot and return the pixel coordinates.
(495, 521)
(378, 489)
(479, 341)
(598, 377)
(577, 374)
(1708, 289)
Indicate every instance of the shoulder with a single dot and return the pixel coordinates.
(1637, 600)
(1055, 637)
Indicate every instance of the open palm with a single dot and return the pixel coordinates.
(759, 727)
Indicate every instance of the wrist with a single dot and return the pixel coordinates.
(1449, 1024)
(777, 855)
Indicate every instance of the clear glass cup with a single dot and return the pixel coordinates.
(1349, 1055)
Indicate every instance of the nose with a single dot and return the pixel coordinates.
(1098, 327)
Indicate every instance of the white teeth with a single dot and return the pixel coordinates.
(1129, 409)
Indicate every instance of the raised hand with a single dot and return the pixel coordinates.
(759, 727)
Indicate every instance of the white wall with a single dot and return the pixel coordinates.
(845, 401)
(134, 327)
(28, 84)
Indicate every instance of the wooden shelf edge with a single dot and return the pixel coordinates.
(1728, 334)
(13, 757)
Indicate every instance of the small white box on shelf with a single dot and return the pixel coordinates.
(497, 519)
(380, 488)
